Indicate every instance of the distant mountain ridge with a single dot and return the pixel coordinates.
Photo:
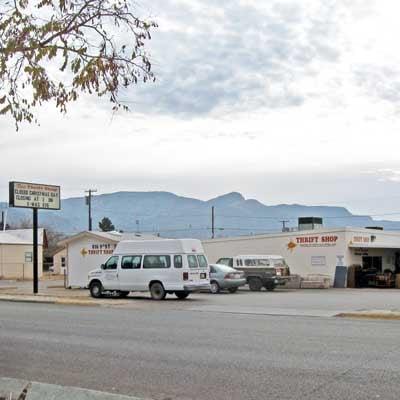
(177, 216)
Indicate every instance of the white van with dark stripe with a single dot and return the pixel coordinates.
(167, 266)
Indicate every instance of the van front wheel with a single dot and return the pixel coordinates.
(181, 295)
(96, 289)
(157, 291)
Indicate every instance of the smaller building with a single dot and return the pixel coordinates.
(16, 253)
(60, 261)
(87, 250)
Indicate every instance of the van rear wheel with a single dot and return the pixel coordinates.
(181, 295)
(96, 289)
(157, 291)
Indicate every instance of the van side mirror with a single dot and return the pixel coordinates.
(102, 266)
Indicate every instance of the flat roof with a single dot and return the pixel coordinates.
(309, 232)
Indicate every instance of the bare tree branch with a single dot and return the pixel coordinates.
(78, 36)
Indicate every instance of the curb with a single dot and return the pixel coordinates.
(49, 301)
(58, 300)
(382, 315)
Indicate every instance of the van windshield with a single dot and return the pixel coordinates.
(280, 263)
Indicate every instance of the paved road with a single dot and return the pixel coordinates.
(181, 354)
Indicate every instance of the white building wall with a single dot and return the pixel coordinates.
(58, 261)
(306, 252)
(84, 255)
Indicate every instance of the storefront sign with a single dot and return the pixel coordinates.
(360, 252)
(361, 239)
(98, 249)
(313, 241)
(33, 195)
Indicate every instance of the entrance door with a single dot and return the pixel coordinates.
(370, 262)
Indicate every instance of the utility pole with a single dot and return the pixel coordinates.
(89, 203)
(212, 222)
(284, 229)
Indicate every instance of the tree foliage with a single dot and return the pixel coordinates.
(55, 50)
(106, 225)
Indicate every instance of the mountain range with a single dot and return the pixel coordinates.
(171, 215)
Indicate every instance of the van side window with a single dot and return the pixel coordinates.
(131, 262)
(111, 263)
(202, 261)
(241, 262)
(237, 262)
(263, 262)
(250, 263)
(192, 261)
(156, 262)
(178, 261)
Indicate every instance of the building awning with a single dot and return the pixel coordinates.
(374, 245)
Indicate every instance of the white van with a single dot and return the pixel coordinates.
(257, 261)
(160, 266)
(266, 270)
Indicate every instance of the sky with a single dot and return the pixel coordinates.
(285, 101)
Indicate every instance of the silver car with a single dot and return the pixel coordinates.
(223, 277)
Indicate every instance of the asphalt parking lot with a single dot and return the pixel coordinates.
(299, 302)
(306, 302)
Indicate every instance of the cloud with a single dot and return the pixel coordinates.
(212, 56)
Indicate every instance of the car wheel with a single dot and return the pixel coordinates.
(96, 289)
(233, 290)
(157, 291)
(255, 284)
(214, 287)
(182, 295)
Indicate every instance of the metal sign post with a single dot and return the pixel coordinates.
(35, 252)
(35, 196)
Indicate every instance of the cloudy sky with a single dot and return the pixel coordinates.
(285, 101)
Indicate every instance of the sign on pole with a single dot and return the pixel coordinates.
(35, 196)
